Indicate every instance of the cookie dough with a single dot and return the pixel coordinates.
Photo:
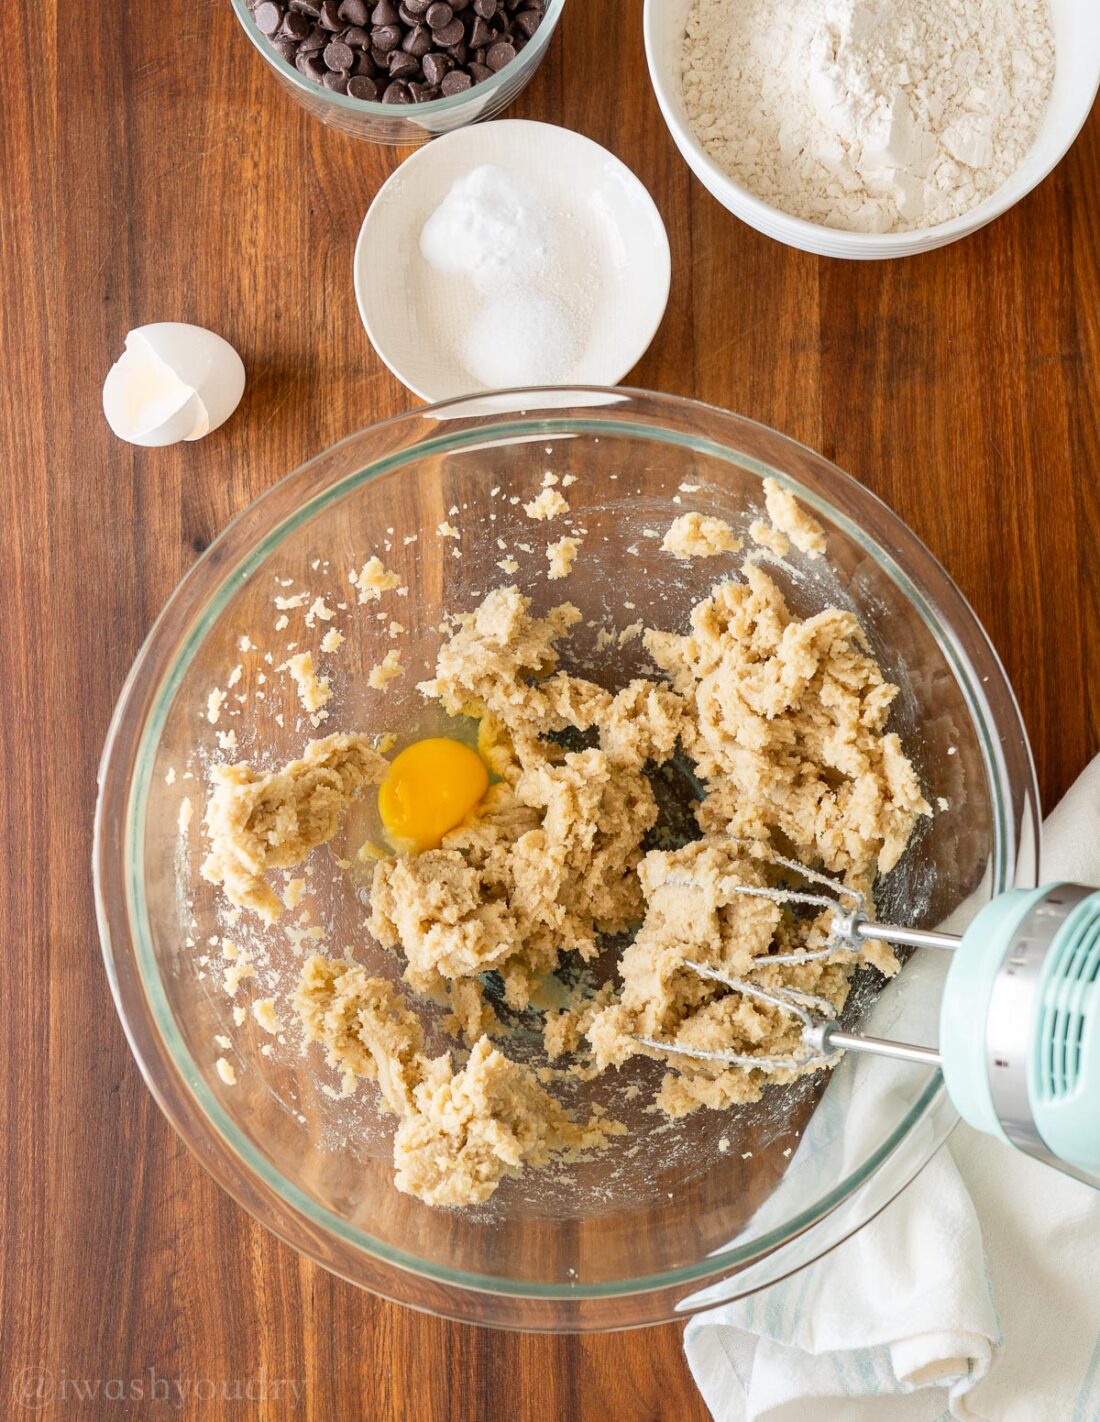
(695, 914)
(372, 580)
(386, 670)
(783, 723)
(258, 822)
(785, 720)
(695, 535)
(313, 691)
(561, 556)
(460, 1132)
(790, 519)
(765, 536)
(546, 505)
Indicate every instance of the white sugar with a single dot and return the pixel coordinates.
(522, 338)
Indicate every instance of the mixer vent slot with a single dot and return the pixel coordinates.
(1072, 993)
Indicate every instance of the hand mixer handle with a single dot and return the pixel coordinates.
(1020, 1025)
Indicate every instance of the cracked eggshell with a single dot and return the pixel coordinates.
(173, 381)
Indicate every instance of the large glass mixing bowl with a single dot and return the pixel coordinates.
(675, 1215)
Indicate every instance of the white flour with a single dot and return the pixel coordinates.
(868, 115)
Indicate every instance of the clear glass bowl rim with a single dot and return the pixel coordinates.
(164, 1050)
(527, 58)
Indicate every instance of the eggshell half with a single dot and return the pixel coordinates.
(173, 382)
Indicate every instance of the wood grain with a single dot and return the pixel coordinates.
(154, 171)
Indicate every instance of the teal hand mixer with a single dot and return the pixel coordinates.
(1019, 1036)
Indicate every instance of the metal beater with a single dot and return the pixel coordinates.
(1019, 1021)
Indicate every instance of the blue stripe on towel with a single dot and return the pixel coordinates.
(1082, 1411)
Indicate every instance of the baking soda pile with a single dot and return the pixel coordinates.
(868, 115)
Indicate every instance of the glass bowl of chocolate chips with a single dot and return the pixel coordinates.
(401, 71)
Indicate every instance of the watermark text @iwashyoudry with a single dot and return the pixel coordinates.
(36, 1388)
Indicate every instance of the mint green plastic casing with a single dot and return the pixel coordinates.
(1062, 1037)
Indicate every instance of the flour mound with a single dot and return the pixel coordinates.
(868, 115)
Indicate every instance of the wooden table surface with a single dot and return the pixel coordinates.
(153, 170)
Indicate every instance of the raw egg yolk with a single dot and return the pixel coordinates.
(431, 787)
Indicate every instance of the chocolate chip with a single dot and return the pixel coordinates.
(413, 51)
(436, 67)
(480, 34)
(269, 17)
(451, 34)
(500, 54)
(403, 66)
(386, 37)
(295, 26)
(310, 66)
(457, 82)
(417, 41)
(338, 57)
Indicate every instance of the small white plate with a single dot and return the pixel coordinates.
(413, 313)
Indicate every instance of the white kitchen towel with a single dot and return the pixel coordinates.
(975, 1295)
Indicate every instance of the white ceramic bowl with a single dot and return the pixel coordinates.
(1076, 78)
(411, 314)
